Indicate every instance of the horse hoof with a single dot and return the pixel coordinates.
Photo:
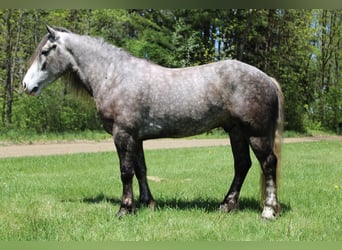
(228, 207)
(123, 212)
(152, 205)
(269, 213)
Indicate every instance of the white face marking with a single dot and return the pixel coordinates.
(35, 79)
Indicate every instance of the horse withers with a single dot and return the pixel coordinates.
(139, 100)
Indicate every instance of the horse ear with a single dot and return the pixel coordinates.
(51, 31)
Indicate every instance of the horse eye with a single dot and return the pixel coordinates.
(45, 52)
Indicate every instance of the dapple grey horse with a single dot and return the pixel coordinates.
(139, 100)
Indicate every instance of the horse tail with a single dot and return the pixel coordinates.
(277, 143)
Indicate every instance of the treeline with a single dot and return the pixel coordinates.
(300, 48)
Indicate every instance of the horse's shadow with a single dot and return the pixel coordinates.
(208, 205)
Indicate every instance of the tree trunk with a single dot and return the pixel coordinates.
(8, 94)
(11, 48)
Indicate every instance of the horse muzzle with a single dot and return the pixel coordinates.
(34, 90)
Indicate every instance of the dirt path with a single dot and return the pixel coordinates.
(107, 145)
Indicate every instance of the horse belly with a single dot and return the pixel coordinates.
(180, 126)
(184, 109)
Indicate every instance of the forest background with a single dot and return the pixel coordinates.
(300, 48)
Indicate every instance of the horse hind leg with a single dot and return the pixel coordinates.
(242, 163)
(263, 149)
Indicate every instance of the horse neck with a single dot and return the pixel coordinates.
(92, 60)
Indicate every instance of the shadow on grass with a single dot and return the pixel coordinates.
(102, 198)
(245, 204)
(208, 205)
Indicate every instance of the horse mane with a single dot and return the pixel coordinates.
(74, 84)
(72, 80)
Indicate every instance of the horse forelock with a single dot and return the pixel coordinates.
(43, 42)
(38, 49)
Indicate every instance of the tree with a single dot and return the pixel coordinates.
(262, 38)
(327, 106)
(12, 24)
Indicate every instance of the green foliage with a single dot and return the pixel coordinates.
(54, 111)
(75, 197)
(111, 24)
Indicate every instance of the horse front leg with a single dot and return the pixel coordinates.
(127, 151)
(141, 174)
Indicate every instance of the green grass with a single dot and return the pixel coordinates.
(75, 197)
(30, 137)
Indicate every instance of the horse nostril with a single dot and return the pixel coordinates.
(34, 90)
(24, 85)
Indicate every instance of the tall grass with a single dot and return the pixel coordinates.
(75, 197)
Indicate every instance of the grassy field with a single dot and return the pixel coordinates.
(75, 197)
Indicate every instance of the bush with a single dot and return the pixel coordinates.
(54, 111)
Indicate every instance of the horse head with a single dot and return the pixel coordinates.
(48, 62)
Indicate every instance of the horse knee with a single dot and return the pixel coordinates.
(126, 175)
